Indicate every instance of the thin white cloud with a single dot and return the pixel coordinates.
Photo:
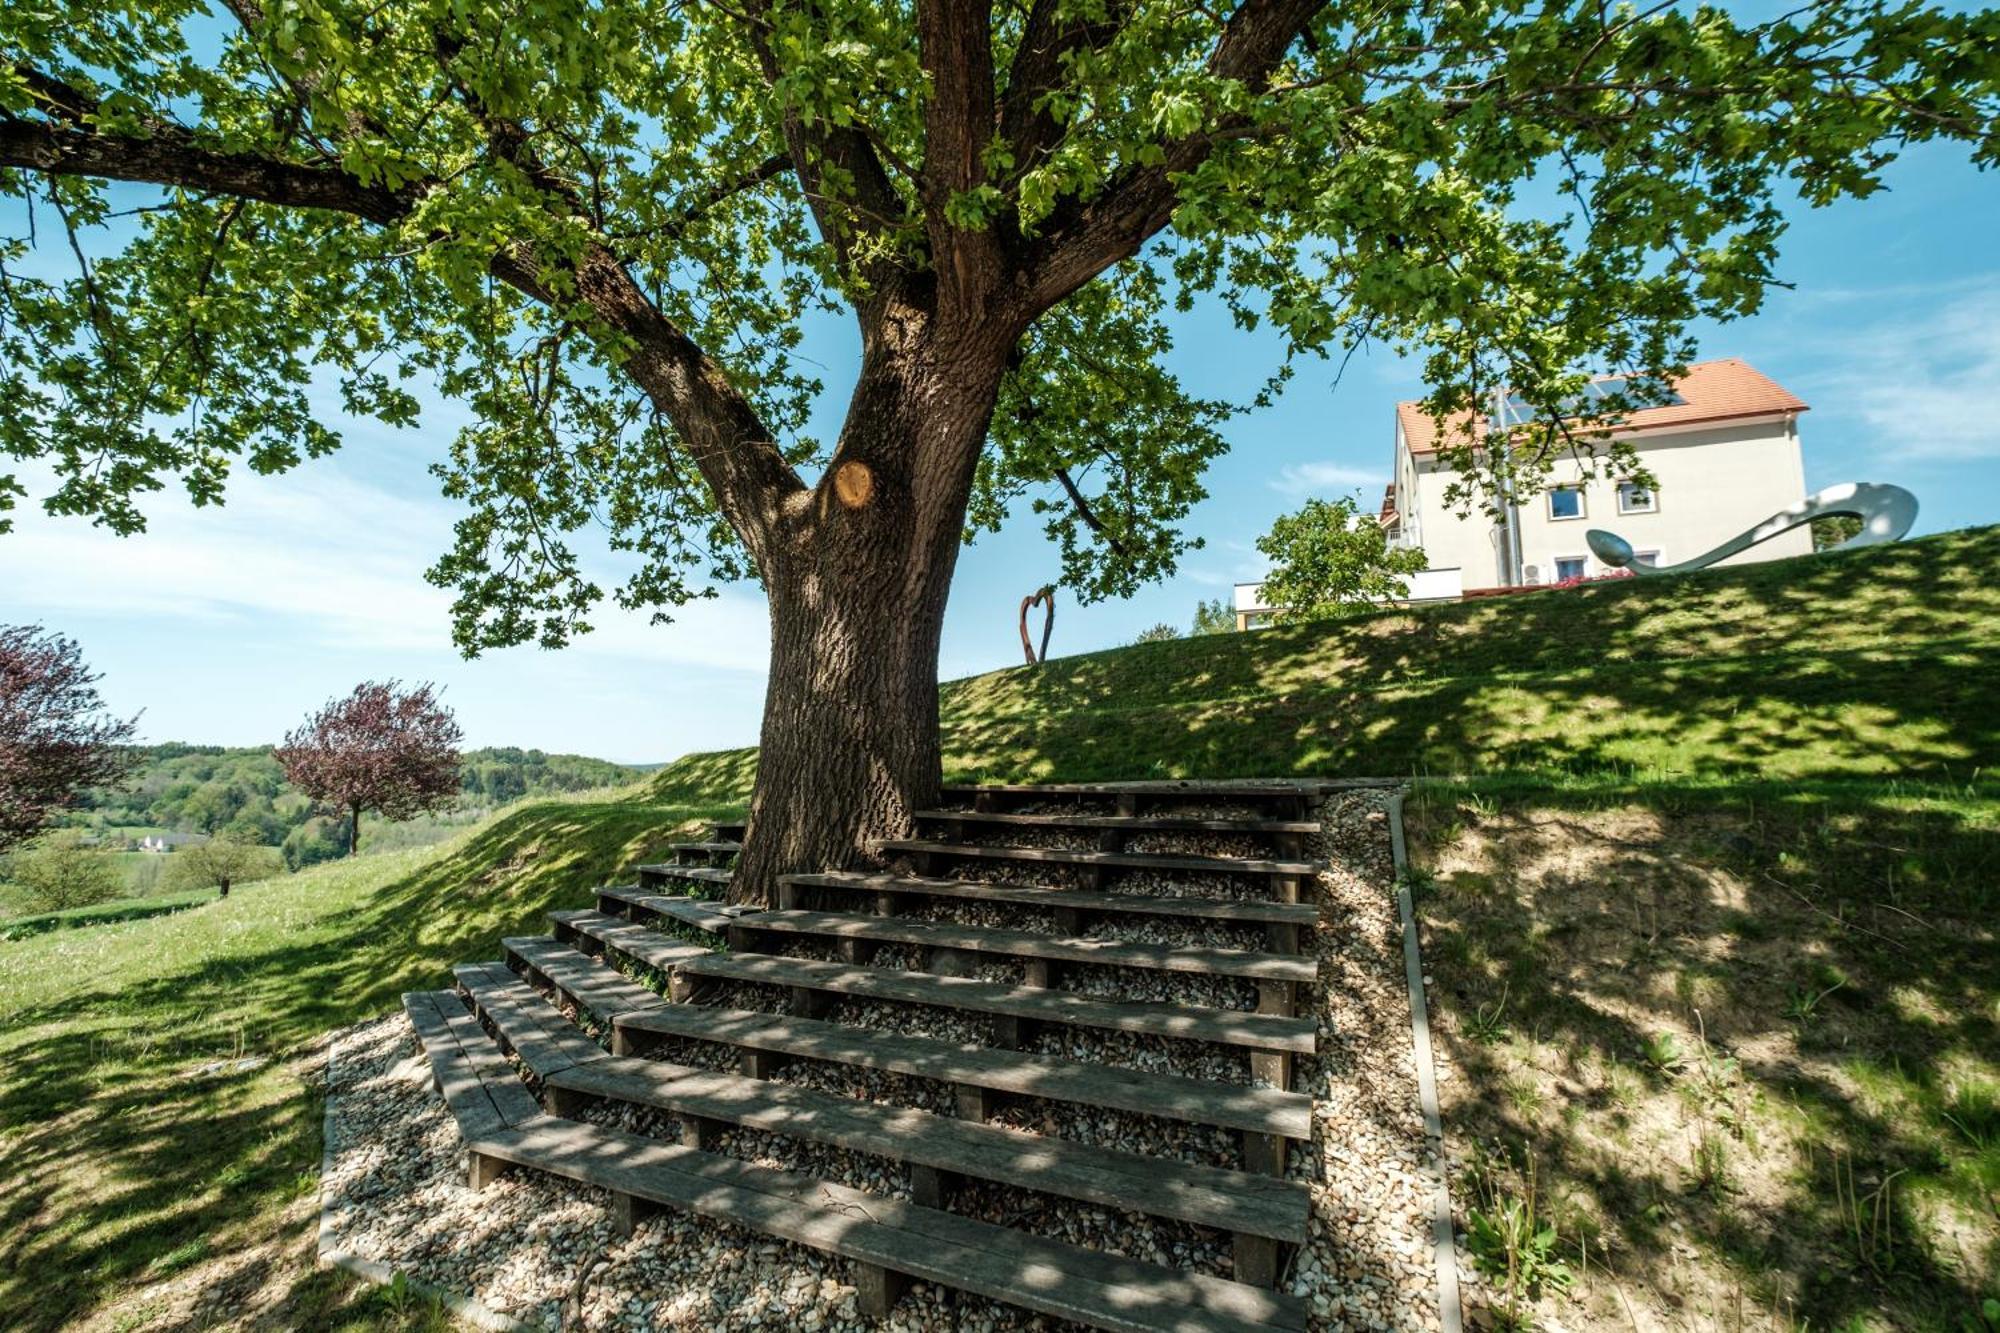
(337, 560)
(1310, 478)
(1924, 382)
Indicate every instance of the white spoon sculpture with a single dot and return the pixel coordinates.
(1886, 512)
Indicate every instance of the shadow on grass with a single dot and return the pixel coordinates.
(1825, 1128)
(103, 914)
(1867, 663)
(117, 1167)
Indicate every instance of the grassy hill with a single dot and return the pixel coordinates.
(1781, 708)
(1872, 663)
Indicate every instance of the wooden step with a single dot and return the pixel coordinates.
(1224, 865)
(604, 991)
(1254, 1110)
(598, 931)
(728, 831)
(1034, 1004)
(1094, 901)
(1249, 1206)
(1285, 800)
(1245, 963)
(892, 1241)
(547, 1042)
(715, 877)
(478, 1085)
(707, 848)
(639, 905)
(1129, 823)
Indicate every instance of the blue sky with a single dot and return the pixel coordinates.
(227, 625)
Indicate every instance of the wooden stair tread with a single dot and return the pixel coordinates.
(700, 913)
(1135, 823)
(1228, 1027)
(1028, 944)
(701, 874)
(1228, 1200)
(604, 991)
(639, 942)
(1118, 860)
(480, 1088)
(547, 1042)
(1160, 787)
(730, 847)
(1089, 900)
(1043, 1275)
(1258, 1110)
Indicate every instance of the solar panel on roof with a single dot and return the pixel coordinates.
(1519, 411)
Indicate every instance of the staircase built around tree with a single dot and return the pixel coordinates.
(1064, 998)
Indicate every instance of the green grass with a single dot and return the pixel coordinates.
(1862, 684)
(1806, 982)
(1871, 664)
(117, 1167)
(103, 914)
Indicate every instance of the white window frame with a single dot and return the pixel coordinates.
(1582, 505)
(1659, 557)
(1652, 496)
(1556, 563)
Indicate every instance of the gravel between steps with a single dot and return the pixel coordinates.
(541, 1249)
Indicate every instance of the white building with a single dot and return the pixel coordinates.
(1724, 454)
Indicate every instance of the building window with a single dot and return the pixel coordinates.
(1636, 499)
(1651, 558)
(1566, 502)
(1570, 567)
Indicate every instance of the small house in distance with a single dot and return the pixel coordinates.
(161, 843)
(1723, 449)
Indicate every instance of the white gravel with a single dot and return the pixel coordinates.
(541, 1249)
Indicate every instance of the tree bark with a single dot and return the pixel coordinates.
(354, 833)
(849, 745)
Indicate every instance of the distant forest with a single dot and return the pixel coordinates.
(213, 789)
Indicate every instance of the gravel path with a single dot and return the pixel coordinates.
(541, 1249)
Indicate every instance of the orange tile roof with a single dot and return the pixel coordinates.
(1388, 514)
(1722, 390)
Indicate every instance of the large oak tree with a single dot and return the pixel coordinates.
(597, 224)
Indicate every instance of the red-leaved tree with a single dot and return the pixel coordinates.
(382, 748)
(55, 737)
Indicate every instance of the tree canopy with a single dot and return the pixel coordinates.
(595, 225)
(1327, 557)
(56, 738)
(381, 748)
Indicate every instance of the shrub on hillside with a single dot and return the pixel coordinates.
(222, 861)
(63, 871)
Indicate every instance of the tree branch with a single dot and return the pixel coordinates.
(1140, 201)
(721, 430)
(955, 45)
(1083, 511)
(874, 205)
(173, 158)
(1030, 131)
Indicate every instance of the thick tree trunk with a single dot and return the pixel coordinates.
(354, 833)
(849, 747)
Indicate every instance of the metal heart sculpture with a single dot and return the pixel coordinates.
(1046, 595)
(1887, 514)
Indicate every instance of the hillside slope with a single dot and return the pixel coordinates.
(129, 1181)
(1875, 664)
(1871, 663)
